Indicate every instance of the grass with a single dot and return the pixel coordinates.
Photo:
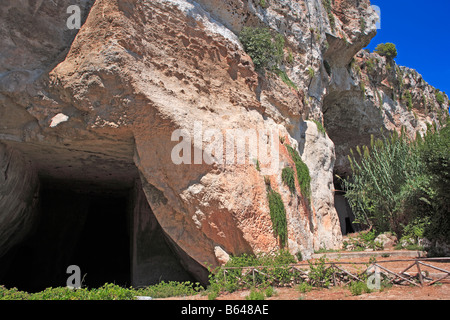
(255, 295)
(283, 75)
(108, 291)
(320, 126)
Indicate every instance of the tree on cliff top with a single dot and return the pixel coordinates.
(387, 50)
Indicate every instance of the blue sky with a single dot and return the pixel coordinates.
(421, 32)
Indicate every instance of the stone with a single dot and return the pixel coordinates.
(387, 240)
(221, 255)
(19, 189)
(98, 107)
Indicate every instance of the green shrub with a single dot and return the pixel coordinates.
(415, 229)
(408, 99)
(13, 294)
(434, 153)
(278, 216)
(363, 240)
(370, 65)
(303, 177)
(269, 292)
(320, 275)
(387, 50)
(288, 177)
(358, 287)
(108, 291)
(275, 266)
(397, 181)
(304, 287)
(255, 295)
(265, 49)
(264, 4)
(171, 289)
(439, 98)
(311, 72)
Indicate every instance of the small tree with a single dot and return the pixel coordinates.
(387, 50)
(265, 49)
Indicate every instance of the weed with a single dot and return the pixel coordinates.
(320, 275)
(358, 287)
(255, 295)
(288, 177)
(303, 177)
(278, 215)
(304, 287)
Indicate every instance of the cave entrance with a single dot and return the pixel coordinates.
(344, 211)
(83, 227)
(103, 248)
(91, 211)
(111, 234)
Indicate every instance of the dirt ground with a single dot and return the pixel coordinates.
(405, 291)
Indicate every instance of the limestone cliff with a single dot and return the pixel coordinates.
(97, 109)
(379, 97)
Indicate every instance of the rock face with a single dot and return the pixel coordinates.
(109, 108)
(19, 190)
(378, 96)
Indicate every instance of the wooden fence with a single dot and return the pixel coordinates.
(340, 273)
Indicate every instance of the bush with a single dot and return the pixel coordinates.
(439, 98)
(364, 240)
(320, 275)
(304, 287)
(255, 295)
(386, 177)
(408, 99)
(288, 177)
(275, 267)
(278, 215)
(435, 154)
(387, 50)
(358, 287)
(171, 289)
(303, 177)
(415, 230)
(108, 291)
(311, 72)
(265, 49)
(397, 181)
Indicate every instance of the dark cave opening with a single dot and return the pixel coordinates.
(87, 229)
(111, 234)
(345, 213)
(103, 249)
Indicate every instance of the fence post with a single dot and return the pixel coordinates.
(253, 275)
(420, 273)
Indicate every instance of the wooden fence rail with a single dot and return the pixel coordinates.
(340, 275)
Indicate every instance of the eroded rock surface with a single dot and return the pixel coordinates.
(105, 110)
